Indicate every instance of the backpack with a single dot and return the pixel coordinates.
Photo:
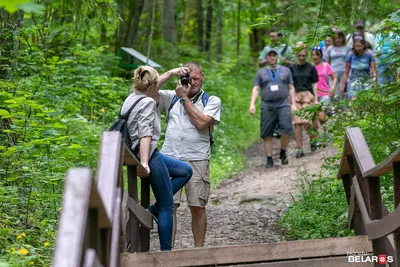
(204, 101)
(121, 125)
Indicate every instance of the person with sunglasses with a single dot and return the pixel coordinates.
(305, 78)
(325, 92)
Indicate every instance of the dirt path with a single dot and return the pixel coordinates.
(244, 209)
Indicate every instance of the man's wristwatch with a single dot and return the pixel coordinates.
(183, 99)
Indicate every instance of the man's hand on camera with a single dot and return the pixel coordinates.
(182, 91)
(181, 71)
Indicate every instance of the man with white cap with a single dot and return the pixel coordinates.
(276, 83)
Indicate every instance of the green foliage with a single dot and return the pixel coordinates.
(25, 5)
(320, 213)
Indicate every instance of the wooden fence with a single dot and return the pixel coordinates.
(367, 214)
(93, 217)
(96, 213)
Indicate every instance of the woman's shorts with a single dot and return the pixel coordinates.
(303, 99)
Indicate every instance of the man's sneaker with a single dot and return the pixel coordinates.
(153, 212)
(270, 163)
(313, 145)
(283, 157)
(299, 153)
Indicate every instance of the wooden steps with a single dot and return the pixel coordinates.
(321, 252)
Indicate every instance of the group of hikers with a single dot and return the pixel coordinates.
(286, 86)
(342, 66)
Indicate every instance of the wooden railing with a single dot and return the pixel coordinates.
(93, 216)
(367, 214)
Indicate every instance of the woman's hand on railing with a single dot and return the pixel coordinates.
(146, 167)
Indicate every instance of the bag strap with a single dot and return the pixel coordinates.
(126, 115)
(173, 102)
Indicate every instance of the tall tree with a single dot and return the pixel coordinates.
(238, 28)
(169, 21)
(199, 8)
(218, 43)
(135, 12)
(209, 17)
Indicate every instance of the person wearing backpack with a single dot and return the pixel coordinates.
(191, 115)
(285, 52)
(167, 175)
(361, 63)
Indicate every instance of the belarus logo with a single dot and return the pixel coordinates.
(382, 259)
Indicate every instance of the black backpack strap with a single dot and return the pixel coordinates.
(173, 102)
(126, 115)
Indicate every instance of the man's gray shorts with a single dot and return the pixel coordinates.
(271, 117)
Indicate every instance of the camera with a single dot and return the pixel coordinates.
(186, 80)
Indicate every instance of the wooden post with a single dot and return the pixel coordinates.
(145, 202)
(375, 207)
(396, 189)
(346, 180)
(358, 224)
(133, 224)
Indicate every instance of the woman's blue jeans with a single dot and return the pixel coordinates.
(167, 176)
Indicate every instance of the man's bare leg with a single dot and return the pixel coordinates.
(199, 225)
(268, 146)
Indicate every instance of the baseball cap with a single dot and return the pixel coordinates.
(272, 50)
(359, 24)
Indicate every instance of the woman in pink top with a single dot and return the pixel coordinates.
(325, 93)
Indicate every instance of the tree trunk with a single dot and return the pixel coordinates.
(207, 44)
(120, 36)
(218, 45)
(169, 21)
(103, 34)
(199, 8)
(153, 15)
(9, 45)
(238, 29)
(135, 12)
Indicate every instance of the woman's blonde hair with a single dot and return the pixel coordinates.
(145, 76)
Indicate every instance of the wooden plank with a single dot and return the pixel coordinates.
(322, 262)
(91, 259)
(141, 57)
(360, 202)
(116, 230)
(351, 207)
(145, 202)
(344, 166)
(360, 150)
(131, 159)
(375, 205)
(249, 253)
(385, 226)
(71, 230)
(133, 223)
(96, 202)
(140, 213)
(385, 166)
(357, 223)
(108, 168)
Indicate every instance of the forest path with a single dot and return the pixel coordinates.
(245, 208)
